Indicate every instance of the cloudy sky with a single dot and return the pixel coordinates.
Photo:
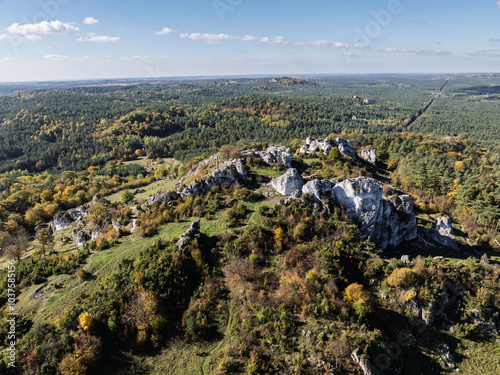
(71, 39)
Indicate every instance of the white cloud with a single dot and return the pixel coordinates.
(54, 27)
(498, 4)
(276, 41)
(56, 57)
(326, 43)
(90, 21)
(417, 51)
(6, 59)
(33, 38)
(92, 37)
(216, 38)
(3, 36)
(164, 31)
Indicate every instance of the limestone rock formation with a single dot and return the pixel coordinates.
(346, 148)
(319, 189)
(289, 184)
(442, 234)
(194, 228)
(369, 155)
(387, 221)
(366, 366)
(163, 198)
(275, 154)
(63, 219)
(207, 174)
(313, 145)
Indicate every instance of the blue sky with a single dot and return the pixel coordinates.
(71, 39)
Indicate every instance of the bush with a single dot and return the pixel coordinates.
(360, 299)
(401, 278)
(82, 275)
(127, 197)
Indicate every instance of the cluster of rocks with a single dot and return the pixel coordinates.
(63, 219)
(194, 229)
(81, 233)
(313, 145)
(163, 198)
(280, 155)
(442, 234)
(223, 175)
(346, 148)
(386, 220)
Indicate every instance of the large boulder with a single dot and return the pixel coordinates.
(273, 154)
(387, 221)
(369, 155)
(346, 148)
(194, 228)
(289, 184)
(366, 366)
(319, 189)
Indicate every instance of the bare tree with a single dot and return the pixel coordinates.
(17, 244)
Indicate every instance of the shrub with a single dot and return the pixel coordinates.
(82, 275)
(85, 319)
(360, 299)
(401, 278)
(127, 196)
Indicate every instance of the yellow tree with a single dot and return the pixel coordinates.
(85, 319)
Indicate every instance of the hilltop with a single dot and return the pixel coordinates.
(208, 227)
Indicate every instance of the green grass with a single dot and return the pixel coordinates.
(267, 172)
(156, 187)
(480, 357)
(104, 262)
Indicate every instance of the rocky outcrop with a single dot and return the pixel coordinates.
(273, 154)
(313, 145)
(366, 366)
(369, 155)
(319, 189)
(290, 184)
(194, 229)
(207, 174)
(81, 236)
(63, 219)
(163, 198)
(387, 221)
(345, 147)
(442, 234)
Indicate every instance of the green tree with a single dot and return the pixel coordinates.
(127, 196)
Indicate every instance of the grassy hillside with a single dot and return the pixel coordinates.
(266, 287)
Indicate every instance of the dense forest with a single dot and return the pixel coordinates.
(268, 285)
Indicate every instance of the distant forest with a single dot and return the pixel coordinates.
(74, 128)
